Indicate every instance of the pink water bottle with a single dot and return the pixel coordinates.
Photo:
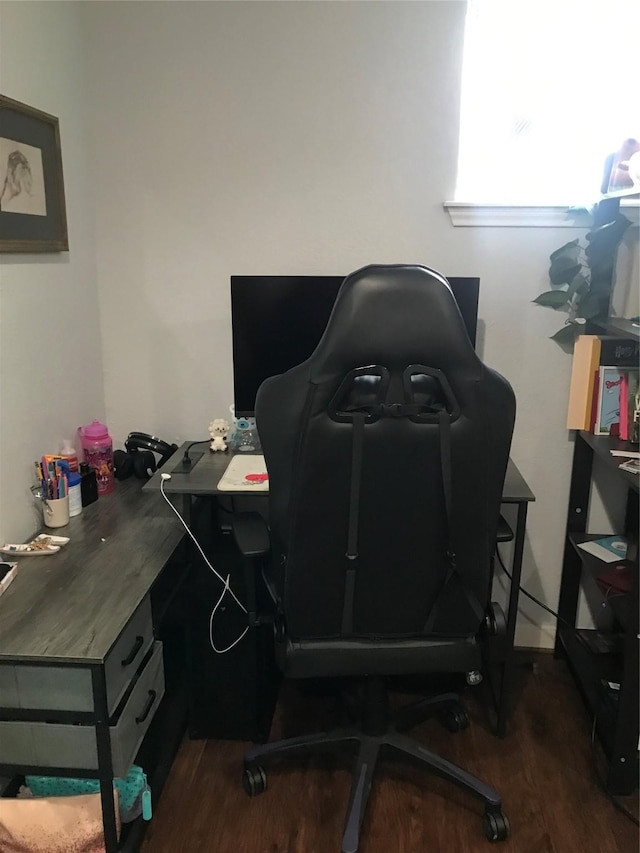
(97, 448)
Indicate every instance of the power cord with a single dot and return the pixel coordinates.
(224, 581)
(186, 459)
(528, 594)
(599, 778)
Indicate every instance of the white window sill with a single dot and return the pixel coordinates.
(464, 214)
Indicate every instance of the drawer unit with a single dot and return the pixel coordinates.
(68, 688)
(59, 745)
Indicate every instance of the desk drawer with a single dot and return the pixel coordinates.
(67, 688)
(58, 745)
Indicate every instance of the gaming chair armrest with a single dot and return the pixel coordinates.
(251, 534)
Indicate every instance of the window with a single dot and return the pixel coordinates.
(548, 91)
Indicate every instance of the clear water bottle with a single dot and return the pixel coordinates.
(245, 436)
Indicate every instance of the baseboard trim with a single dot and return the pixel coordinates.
(530, 636)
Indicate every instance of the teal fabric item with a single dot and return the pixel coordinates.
(134, 794)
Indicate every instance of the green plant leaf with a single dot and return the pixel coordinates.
(567, 334)
(552, 299)
(571, 249)
(563, 271)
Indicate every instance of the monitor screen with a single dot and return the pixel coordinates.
(277, 322)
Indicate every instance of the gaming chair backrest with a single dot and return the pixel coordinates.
(354, 444)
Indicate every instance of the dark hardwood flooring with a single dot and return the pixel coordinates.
(544, 770)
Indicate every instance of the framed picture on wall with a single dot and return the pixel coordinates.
(32, 208)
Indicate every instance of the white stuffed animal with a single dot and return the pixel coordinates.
(218, 430)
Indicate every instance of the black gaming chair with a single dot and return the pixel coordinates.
(386, 452)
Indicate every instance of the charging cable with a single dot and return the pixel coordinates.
(224, 581)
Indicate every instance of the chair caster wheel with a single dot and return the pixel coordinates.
(254, 781)
(454, 719)
(495, 825)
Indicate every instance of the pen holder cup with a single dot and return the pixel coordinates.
(56, 513)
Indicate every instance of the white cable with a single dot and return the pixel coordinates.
(223, 581)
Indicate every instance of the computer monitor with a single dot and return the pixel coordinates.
(277, 321)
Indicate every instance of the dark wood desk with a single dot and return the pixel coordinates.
(203, 480)
(81, 670)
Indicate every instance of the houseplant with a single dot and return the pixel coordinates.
(581, 277)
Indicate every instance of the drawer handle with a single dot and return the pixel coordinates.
(147, 708)
(134, 651)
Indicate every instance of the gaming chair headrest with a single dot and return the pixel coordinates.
(394, 315)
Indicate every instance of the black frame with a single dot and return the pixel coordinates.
(20, 232)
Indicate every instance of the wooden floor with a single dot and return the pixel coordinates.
(544, 770)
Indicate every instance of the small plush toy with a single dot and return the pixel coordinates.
(218, 430)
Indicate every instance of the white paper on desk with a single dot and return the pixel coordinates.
(233, 479)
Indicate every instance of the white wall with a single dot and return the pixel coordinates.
(50, 350)
(237, 138)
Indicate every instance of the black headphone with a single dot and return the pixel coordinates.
(138, 458)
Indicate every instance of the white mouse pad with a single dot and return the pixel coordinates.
(239, 468)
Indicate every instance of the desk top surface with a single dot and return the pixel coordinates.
(71, 607)
(206, 473)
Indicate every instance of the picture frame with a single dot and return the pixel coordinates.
(33, 214)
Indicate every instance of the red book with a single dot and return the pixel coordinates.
(594, 399)
(617, 579)
(624, 407)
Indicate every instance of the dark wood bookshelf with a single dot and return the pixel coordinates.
(615, 714)
(620, 603)
(590, 670)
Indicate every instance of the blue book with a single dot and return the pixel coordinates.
(609, 548)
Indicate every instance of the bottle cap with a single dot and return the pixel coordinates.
(74, 479)
(96, 430)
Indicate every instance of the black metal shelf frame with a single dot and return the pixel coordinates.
(617, 727)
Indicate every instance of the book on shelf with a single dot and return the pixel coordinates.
(584, 368)
(608, 548)
(629, 402)
(615, 580)
(591, 354)
(631, 465)
(622, 352)
(608, 410)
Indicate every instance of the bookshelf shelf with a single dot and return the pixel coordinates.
(619, 603)
(590, 670)
(602, 445)
(615, 715)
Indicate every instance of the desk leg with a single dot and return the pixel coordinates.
(512, 617)
(105, 764)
